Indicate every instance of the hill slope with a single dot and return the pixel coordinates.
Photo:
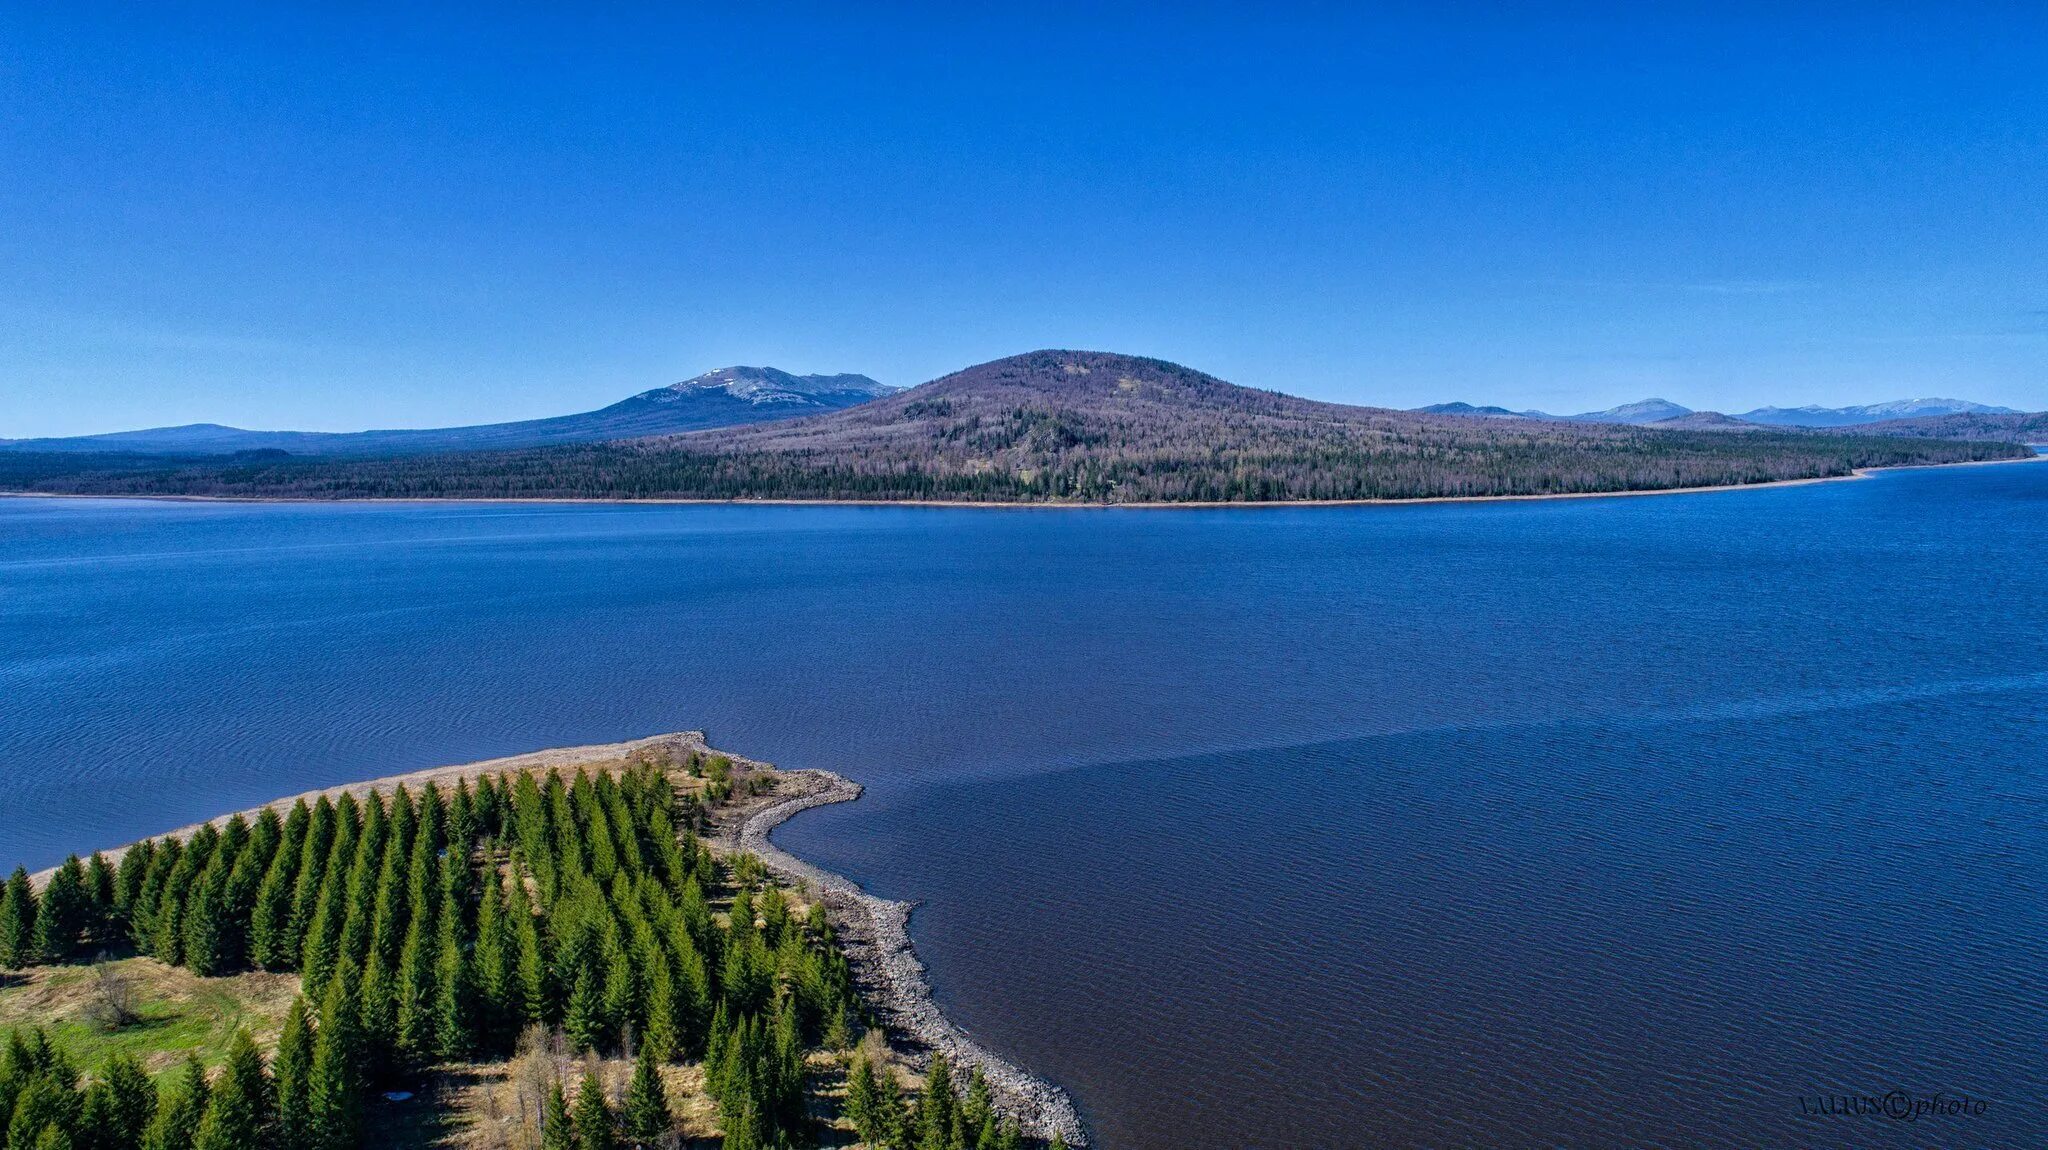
(1644, 411)
(1051, 426)
(1704, 421)
(2014, 427)
(1478, 412)
(721, 398)
(1817, 416)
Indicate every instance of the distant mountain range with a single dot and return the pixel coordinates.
(1659, 412)
(1055, 426)
(721, 398)
(1813, 416)
(1642, 412)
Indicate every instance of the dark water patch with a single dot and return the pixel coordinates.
(1578, 933)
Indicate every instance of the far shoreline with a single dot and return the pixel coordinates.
(1012, 505)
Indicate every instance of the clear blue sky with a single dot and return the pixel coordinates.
(278, 219)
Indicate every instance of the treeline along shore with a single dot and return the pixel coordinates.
(570, 950)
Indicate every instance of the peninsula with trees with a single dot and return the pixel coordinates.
(569, 950)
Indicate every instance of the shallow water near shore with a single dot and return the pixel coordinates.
(1597, 822)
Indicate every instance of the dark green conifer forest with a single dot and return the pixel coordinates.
(437, 928)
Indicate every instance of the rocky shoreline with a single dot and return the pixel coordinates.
(876, 935)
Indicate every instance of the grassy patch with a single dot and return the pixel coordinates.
(176, 1012)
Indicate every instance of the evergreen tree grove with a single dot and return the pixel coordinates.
(436, 925)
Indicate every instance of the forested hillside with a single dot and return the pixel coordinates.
(2019, 427)
(1057, 426)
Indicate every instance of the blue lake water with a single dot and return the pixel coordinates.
(1590, 823)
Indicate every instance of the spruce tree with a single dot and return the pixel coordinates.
(95, 1116)
(935, 1107)
(17, 1065)
(457, 882)
(163, 859)
(423, 884)
(414, 1007)
(647, 1114)
(743, 1128)
(239, 1111)
(166, 932)
(294, 1068)
(270, 921)
(488, 808)
(462, 820)
(238, 905)
(892, 1120)
(205, 925)
(556, 1131)
(46, 1102)
(129, 879)
(235, 838)
(622, 1010)
(100, 882)
(530, 962)
(594, 1129)
(662, 1031)
(493, 965)
(178, 1116)
(785, 1103)
(583, 1016)
(131, 1103)
(693, 995)
(167, 917)
(863, 1106)
(404, 823)
(454, 1008)
(298, 822)
(18, 922)
(322, 951)
(336, 1082)
(264, 839)
(378, 996)
(433, 819)
(362, 880)
(715, 1043)
(389, 915)
(977, 1115)
(314, 857)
